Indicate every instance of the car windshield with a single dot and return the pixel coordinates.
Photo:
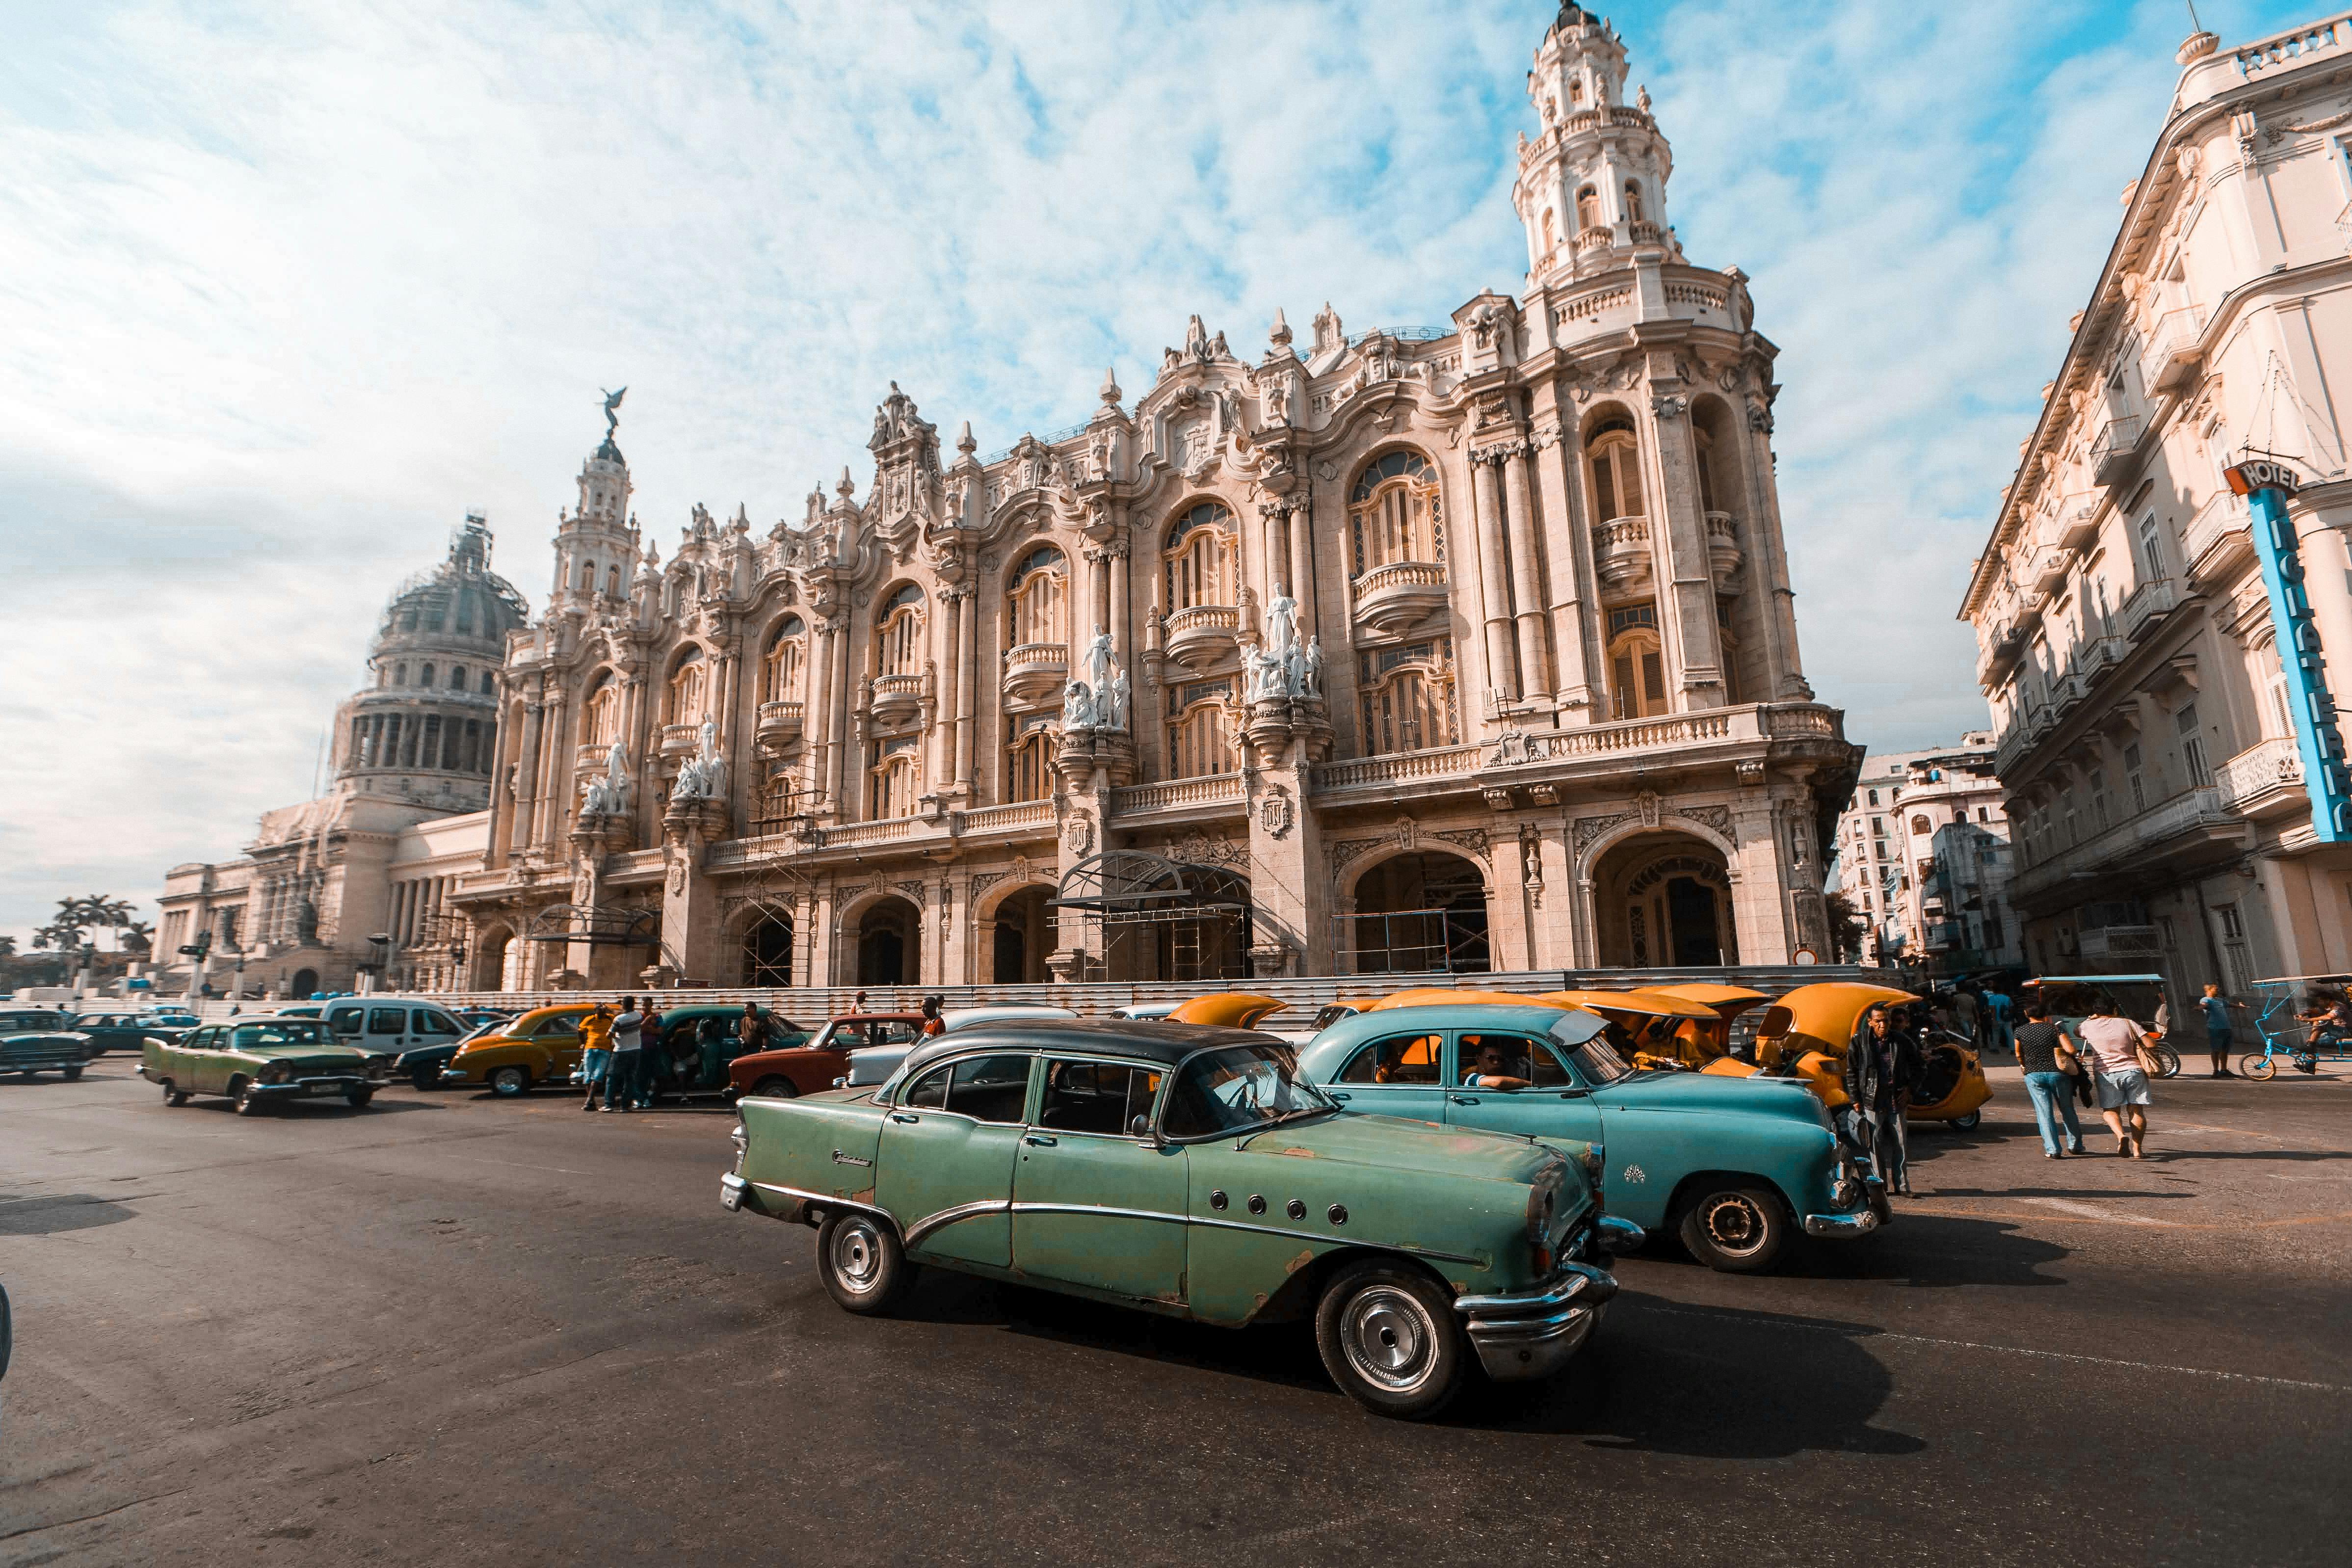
(1237, 1088)
(1596, 1059)
(279, 1032)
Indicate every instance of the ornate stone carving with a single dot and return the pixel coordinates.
(1750, 771)
(1473, 839)
(1717, 817)
(1647, 804)
(1590, 828)
(1669, 405)
(1275, 813)
(1343, 850)
(1078, 833)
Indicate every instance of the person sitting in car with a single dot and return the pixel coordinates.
(1490, 1068)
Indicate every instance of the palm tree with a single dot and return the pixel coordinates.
(136, 936)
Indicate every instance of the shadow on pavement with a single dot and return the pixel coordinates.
(1936, 1251)
(325, 1105)
(62, 1211)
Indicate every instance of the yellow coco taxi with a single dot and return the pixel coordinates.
(542, 1046)
(1805, 1034)
(1227, 1010)
(1649, 1028)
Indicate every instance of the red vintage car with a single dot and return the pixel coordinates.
(806, 1068)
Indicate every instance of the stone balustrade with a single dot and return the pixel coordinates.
(1018, 816)
(2219, 539)
(681, 740)
(1210, 789)
(863, 835)
(2264, 778)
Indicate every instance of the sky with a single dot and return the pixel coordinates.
(287, 288)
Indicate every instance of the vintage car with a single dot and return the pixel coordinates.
(1805, 1033)
(875, 1064)
(813, 1065)
(676, 1066)
(41, 1042)
(260, 1062)
(1228, 1009)
(1734, 1167)
(1650, 1028)
(1185, 1169)
(542, 1047)
(123, 1031)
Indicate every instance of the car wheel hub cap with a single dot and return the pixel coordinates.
(1388, 1338)
(1734, 1224)
(855, 1258)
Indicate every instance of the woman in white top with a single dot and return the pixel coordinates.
(2114, 1046)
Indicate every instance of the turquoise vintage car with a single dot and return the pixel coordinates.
(1185, 1169)
(1735, 1164)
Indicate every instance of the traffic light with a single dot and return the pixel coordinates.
(199, 948)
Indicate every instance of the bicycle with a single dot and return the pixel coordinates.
(2288, 1038)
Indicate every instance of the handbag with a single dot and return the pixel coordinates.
(2068, 1062)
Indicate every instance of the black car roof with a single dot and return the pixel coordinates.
(1144, 1039)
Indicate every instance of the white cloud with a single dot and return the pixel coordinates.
(284, 291)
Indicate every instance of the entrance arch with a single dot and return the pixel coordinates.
(1021, 934)
(1663, 901)
(890, 943)
(1138, 916)
(1422, 910)
(490, 953)
(766, 948)
(305, 981)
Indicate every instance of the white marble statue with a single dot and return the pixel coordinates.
(1098, 663)
(1310, 678)
(1120, 696)
(1281, 627)
(704, 775)
(1077, 707)
(609, 795)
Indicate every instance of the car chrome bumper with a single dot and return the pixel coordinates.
(455, 1075)
(1532, 1333)
(1860, 1222)
(300, 1087)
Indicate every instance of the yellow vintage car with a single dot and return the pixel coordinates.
(1806, 1032)
(542, 1047)
(1444, 995)
(1649, 1028)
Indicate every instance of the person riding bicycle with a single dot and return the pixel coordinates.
(2329, 1027)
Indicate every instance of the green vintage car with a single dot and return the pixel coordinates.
(1187, 1171)
(34, 1043)
(262, 1062)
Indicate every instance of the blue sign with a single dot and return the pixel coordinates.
(2267, 484)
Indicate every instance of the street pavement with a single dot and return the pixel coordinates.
(451, 1329)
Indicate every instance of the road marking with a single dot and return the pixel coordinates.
(2091, 1211)
(1870, 1334)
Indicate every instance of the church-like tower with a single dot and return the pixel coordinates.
(1591, 189)
(596, 544)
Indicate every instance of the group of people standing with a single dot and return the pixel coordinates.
(2103, 1061)
(623, 1058)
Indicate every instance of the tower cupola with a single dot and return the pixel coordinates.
(596, 546)
(1593, 183)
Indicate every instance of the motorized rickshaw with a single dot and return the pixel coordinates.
(1653, 1029)
(1805, 1035)
(2299, 1037)
(1226, 1009)
(2071, 998)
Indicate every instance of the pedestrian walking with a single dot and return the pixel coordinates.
(2050, 1063)
(641, 1089)
(628, 1049)
(753, 1032)
(2219, 1033)
(933, 1023)
(1881, 1063)
(2004, 1013)
(1965, 1009)
(596, 1035)
(2119, 1056)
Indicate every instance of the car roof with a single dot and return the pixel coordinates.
(1539, 1020)
(1144, 1039)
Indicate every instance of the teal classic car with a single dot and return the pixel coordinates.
(1733, 1164)
(34, 1043)
(1186, 1170)
(262, 1062)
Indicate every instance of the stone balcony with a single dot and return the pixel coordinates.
(1035, 672)
(895, 697)
(1199, 637)
(2193, 827)
(1016, 819)
(1208, 796)
(2149, 604)
(1620, 551)
(2264, 780)
(2115, 457)
(1722, 552)
(779, 724)
(1399, 596)
(2172, 357)
(2219, 542)
(681, 740)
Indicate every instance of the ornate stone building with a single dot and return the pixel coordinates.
(1457, 647)
(375, 855)
(2149, 737)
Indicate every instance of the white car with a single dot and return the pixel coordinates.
(875, 1064)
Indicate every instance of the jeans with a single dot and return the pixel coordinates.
(2053, 1094)
(592, 1068)
(621, 1077)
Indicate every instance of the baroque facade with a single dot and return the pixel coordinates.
(1459, 647)
(375, 855)
(2148, 736)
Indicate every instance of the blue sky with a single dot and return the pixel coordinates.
(285, 289)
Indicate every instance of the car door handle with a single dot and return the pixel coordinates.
(902, 1116)
(1039, 1141)
(1463, 1099)
(1336, 1095)
(1574, 1093)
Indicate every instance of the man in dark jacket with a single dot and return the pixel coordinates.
(1882, 1062)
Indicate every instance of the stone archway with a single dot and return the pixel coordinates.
(1021, 933)
(493, 949)
(1420, 910)
(888, 945)
(763, 947)
(305, 981)
(1663, 901)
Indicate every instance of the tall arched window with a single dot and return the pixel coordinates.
(1633, 202)
(780, 672)
(892, 783)
(1704, 438)
(613, 581)
(1408, 702)
(1549, 241)
(1200, 731)
(1616, 463)
(688, 689)
(1393, 514)
(898, 633)
(1037, 601)
(1637, 666)
(425, 675)
(1588, 210)
(587, 576)
(600, 717)
(1198, 557)
(1029, 761)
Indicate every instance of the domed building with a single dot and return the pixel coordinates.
(355, 881)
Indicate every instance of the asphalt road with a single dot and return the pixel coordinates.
(455, 1331)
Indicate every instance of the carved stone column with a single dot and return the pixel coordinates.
(943, 750)
(818, 714)
(526, 784)
(691, 917)
(967, 695)
(1494, 569)
(1527, 573)
(1686, 577)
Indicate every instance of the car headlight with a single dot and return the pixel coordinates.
(274, 1073)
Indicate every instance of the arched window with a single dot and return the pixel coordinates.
(1394, 515)
(1704, 437)
(688, 689)
(1637, 664)
(780, 672)
(1029, 761)
(587, 576)
(1616, 464)
(456, 678)
(1730, 641)
(892, 781)
(600, 717)
(1038, 602)
(425, 675)
(898, 633)
(490, 682)
(1198, 558)
(613, 581)
(400, 675)
(1200, 731)
(1919, 824)
(1633, 202)
(1408, 702)
(1549, 242)
(1588, 210)
(1575, 90)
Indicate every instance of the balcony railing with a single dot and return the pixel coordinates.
(2170, 362)
(1361, 772)
(2128, 841)
(1393, 597)
(1209, 789)
(2266, 777)
(1018, 816)
(2219, 538)
(780, 720)
(860, 835)
(1621, 548)
(2150, 603)
(681, 740)
(2111, 457)
(1204, 618)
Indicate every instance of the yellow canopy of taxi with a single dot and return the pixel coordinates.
(1657, 1003)
(1441, 995)
(1822, 1016)
(1227, 1009)
(1729, 1001)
